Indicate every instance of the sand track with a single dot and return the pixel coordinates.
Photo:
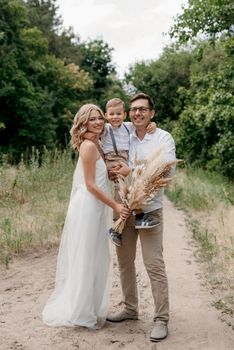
(194, 323)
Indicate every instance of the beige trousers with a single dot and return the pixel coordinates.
(152, 252)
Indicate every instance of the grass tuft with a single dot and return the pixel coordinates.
(197, 189)
(207, 199)
(33, 202)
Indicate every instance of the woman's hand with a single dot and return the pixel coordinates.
(122, 211)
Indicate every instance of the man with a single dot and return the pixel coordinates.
(142, 144)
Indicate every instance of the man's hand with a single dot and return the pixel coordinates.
(119, 169)
(124, 169)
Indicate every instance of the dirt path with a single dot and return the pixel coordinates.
(194, 324)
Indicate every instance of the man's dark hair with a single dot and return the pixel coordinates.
(144, 96)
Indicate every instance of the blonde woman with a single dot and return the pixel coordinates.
(81, 293)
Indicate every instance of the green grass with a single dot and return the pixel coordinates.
(207, 199)
(207, 240)
(198, 189)
(33, 202)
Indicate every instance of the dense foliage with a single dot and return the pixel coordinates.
(205, 130)
(207, 17)
(161, 79)
(192, 86)
(47, 72)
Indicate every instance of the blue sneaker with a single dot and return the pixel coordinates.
(115, 237)
(146, 222)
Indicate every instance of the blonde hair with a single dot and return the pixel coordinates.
(115, 102)
(79, 127)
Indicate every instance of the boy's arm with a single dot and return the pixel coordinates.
(90, 136)
(151, 128)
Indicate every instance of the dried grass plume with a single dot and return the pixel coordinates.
(140, 187)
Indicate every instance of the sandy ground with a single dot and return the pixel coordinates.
(194, 323)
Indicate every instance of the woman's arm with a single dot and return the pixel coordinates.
(88, 154)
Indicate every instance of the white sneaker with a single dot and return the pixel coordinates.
(159, 332)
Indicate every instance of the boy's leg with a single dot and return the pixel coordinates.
(115, 237)
(139, 216)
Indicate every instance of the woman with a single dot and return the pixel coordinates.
(83, 268)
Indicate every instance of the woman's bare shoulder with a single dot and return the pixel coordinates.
(87, 147)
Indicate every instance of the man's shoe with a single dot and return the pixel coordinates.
(121, 316)
(159, 331)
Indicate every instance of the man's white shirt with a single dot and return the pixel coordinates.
(140, 150)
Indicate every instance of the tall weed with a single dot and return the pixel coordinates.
(208, 200)
(198, 189)
(33, 201)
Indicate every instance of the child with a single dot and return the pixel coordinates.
(115, 144)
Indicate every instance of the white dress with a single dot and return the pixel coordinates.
(83, 276)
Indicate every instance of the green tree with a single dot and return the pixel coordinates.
(46, 74)
(209, 17)
(93, 56)
(43, 14)
(63, 43)
(115, 89)
(97, 60)
(161, 79)
(205, 131)
(38, 92)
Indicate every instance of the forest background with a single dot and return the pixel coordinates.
(47, 73)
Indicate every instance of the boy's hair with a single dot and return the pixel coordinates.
(115, 102)
(145, 97)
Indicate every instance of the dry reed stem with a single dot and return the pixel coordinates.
(140, 187)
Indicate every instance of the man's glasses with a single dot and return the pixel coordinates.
(140, 109)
